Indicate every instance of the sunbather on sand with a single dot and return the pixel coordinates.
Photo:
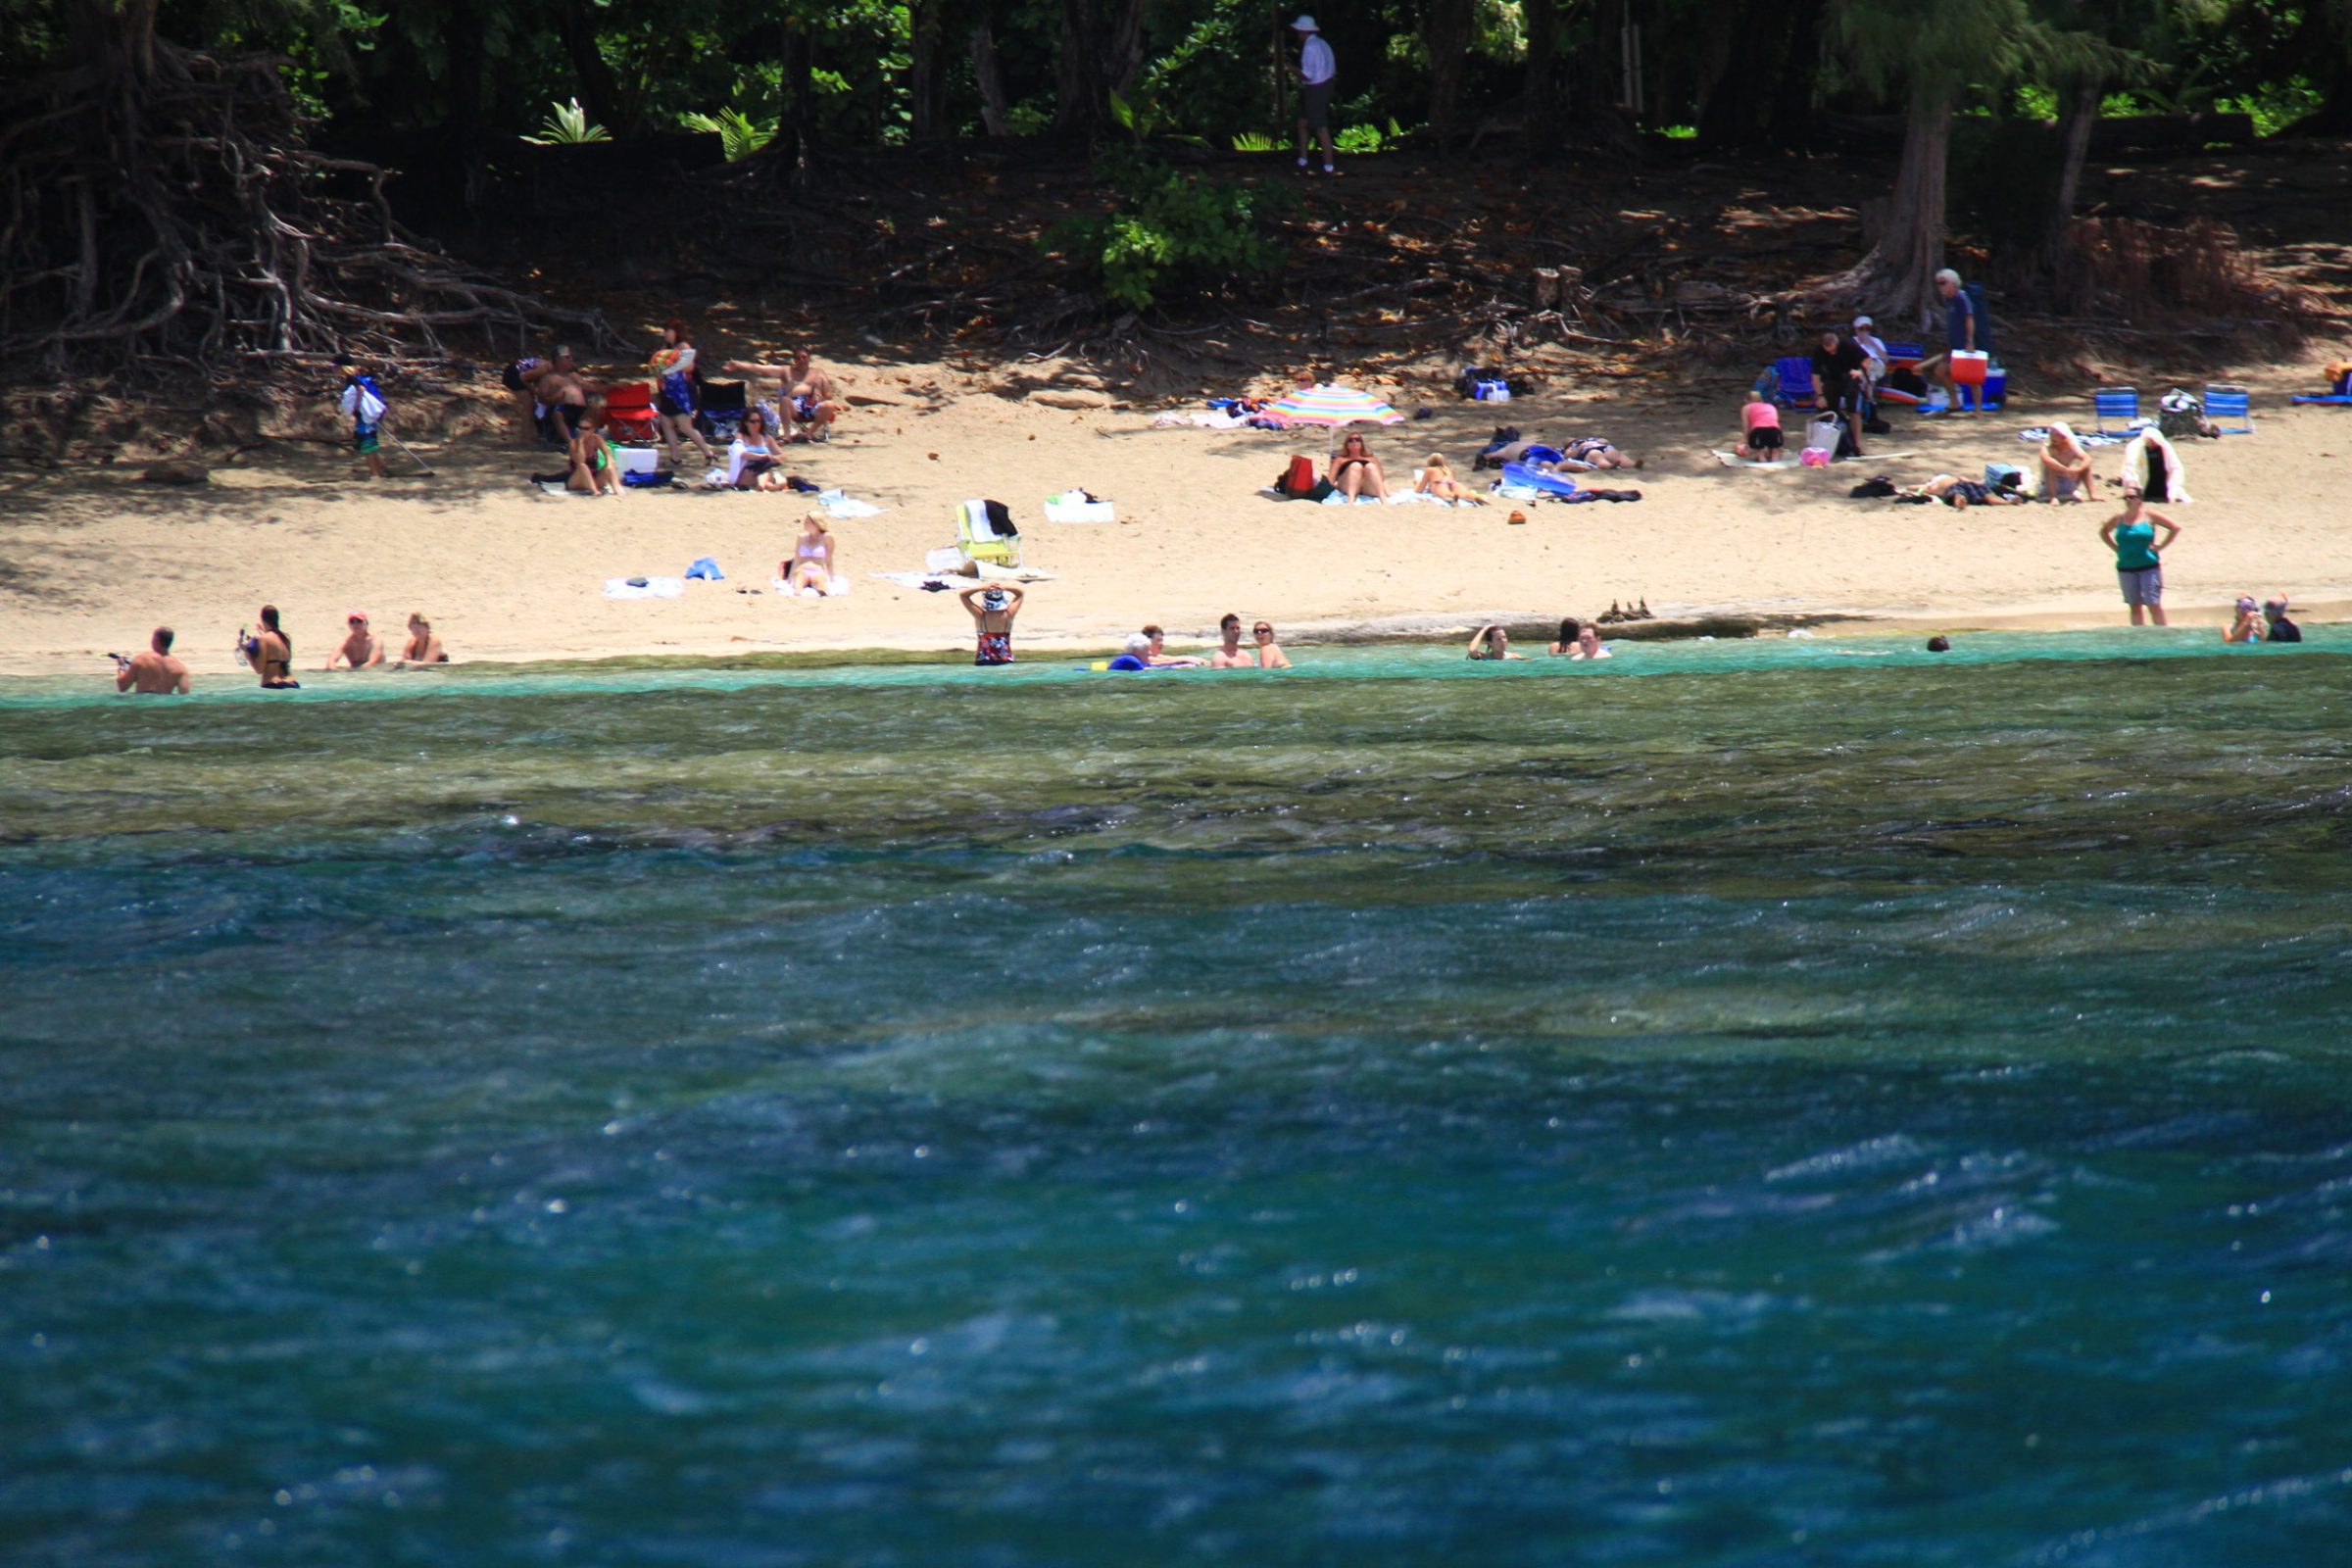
(1355, 471)
(815, 560)
(1761, 417)
(595, 470)
(1961, 494)
(1595, 452)
(1436, 479)
(2066, 466)
(751, 456)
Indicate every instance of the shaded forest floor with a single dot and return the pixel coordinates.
(1680, 277)
(1413, 261)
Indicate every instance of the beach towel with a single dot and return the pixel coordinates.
(1551, 485)
(2337, 399)
(1077, 506)
(2149, 447)
(644, 588)
(2086, 439)
(1732, 460)
(838, 504)
(837, 586)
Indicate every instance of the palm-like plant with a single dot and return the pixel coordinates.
(568, 126)
(738, 133)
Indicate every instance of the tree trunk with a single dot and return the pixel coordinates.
(923, 76)
(2077, 117)
(996, 110)
(1540, 116)
(1896, 280)
(1445, 26)
(600, 89)
(1101, 50)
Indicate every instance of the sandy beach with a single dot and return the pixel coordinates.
(91, 558)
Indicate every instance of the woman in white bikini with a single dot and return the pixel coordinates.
(814, 565)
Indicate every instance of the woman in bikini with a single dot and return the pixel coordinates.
(271, 652)
(813, 567)
(1436, 479)
(1596, 452)
(1356, 472)
(594, 468)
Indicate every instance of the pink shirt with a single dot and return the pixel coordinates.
(1761, 416)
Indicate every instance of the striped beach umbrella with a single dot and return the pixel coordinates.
(1333, 406)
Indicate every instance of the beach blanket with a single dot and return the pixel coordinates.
(1076, 506)
(838, 585)
(1395, 498)
(838, 504)
(648, 588)
(1220, 420)
(958, 581)
(1551, 485)
(2089, 438)
(1732, 460)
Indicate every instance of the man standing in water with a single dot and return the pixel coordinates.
(155, 672)
(1230, 654)
(1318, 75)
(991, 608)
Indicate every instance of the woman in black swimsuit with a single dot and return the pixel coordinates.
(1355, 471)
(271, 652)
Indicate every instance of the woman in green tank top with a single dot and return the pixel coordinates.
(2138, 568)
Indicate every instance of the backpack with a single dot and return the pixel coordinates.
(2180, 414)
(1298, 478)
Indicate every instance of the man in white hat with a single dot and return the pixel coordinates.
(1319, 72)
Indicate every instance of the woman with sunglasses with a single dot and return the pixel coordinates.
(1269, 651)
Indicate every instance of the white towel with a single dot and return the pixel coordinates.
(839, 585)
(839, 504)
(653, 588)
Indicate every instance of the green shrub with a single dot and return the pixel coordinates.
(1170, 230)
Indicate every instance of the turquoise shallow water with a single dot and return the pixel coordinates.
(1749, 1103)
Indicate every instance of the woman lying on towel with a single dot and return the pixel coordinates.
(1961, 494)
(1596, 452)
(1355, 471)
(1436, 479)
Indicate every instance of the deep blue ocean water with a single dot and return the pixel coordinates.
(1806, 1102)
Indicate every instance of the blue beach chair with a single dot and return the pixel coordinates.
(1796, 380)
(2224, 402)
(2117, 403)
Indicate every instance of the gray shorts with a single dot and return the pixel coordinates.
(1314, 104)
(2142, 587)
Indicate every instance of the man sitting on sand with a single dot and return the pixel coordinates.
(991, 609)
(155, 672)
(423, 647)
(564, 396)
(805, 397)
(360, 648)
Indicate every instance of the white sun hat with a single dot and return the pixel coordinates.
(1304, 23)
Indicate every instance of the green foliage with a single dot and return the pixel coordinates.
(1255, 141)
(1368, 138)
(2277, 106)
(738, 133)
(1170, 230)
(568, 126)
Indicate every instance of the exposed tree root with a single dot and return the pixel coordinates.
(160, 210)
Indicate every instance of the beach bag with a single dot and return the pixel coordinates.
(1814, 457)
(1830, 433)
(1298, 478)
(2178, 414)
